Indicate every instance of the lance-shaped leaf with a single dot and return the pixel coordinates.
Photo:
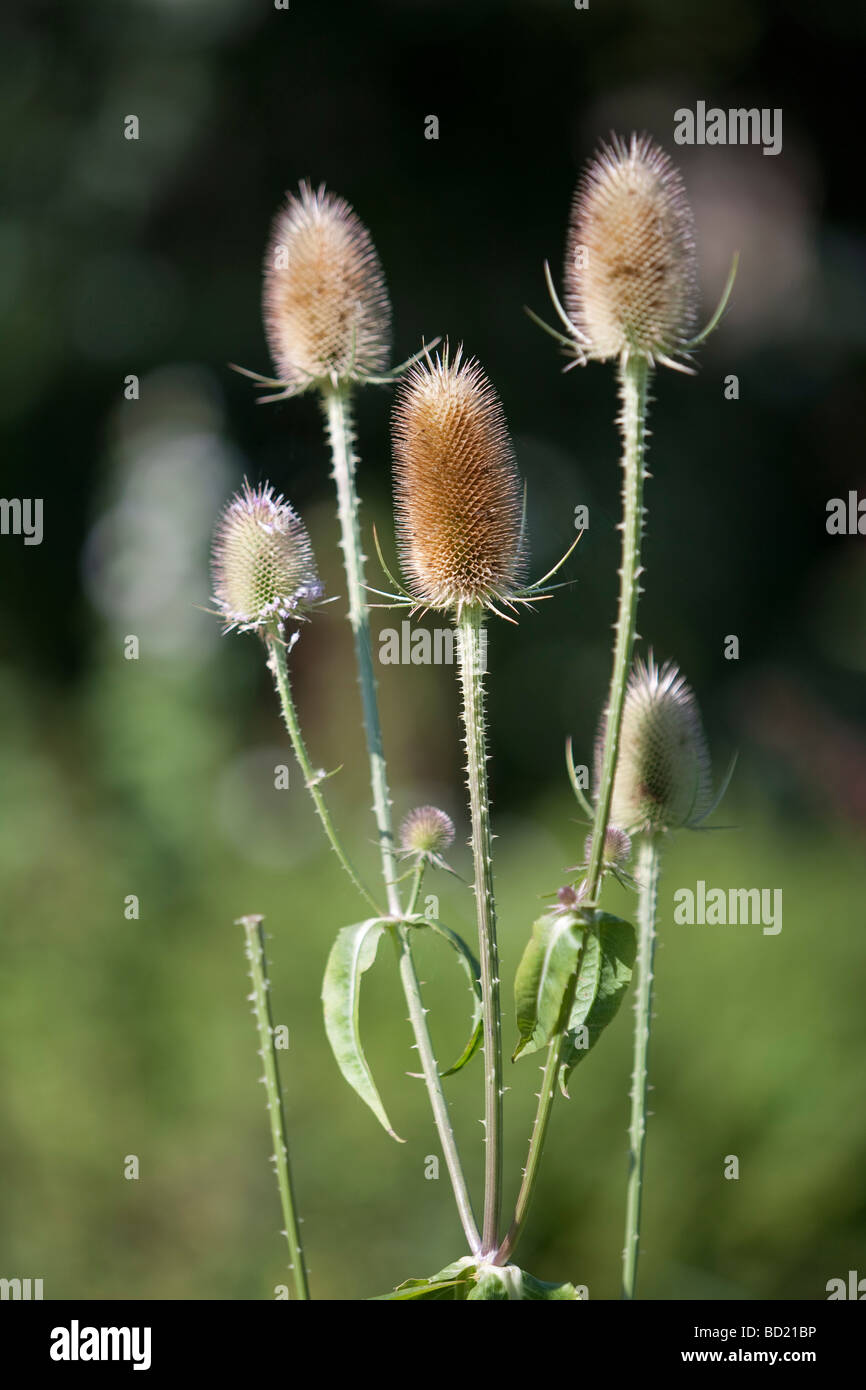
(467, 1282)
(604, 977)
(352, 953)
(473, 971)
(455, 1282)
(545, 978)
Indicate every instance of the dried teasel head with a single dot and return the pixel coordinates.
(263, 567)
(458, 494)
(630, 265)
(326, 309)
(663, 776)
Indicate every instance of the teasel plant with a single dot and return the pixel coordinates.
(328, 319)
(459, 510)
(663, 784)
(265, 578)
(630, 298)
(460, 534)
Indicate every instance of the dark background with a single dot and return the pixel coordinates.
(156, 777)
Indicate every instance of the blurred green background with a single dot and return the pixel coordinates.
(155, 777)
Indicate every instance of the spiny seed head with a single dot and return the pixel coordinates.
(326, 308)
(426, 830)
(263, 566)
(617, 848)
(630, 268)
(663, 778)
(458, 496)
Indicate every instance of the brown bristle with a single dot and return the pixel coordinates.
(630, 256)
(326, 308)
(458, 496)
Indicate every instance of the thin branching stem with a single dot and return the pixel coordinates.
(341, 435)
(255, 951)
(634, 375)
(470, 647)
(648, 868)
(279, 665)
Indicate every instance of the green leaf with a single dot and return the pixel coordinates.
(453, 1283)
(493, 1284)
(352, 953)
(544, 978)
(537, 1289)
(605, 975)
(467, 1282)
(473, 971)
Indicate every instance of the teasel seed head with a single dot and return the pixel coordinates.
(617, 848)
(663, 777)
(263, 567)
(426, 831)
(326, 309)
(630, 265)
(458, 494)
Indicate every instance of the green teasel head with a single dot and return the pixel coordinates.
(426, 831)
(264, 571)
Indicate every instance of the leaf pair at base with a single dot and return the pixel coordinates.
(352, 954)
(571, 980)
(466, 1281)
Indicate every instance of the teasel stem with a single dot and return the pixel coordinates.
(539, 1131)
(279, 665)
(634, 374)
(648, 869)
(438, 1103)
(341, 435)
(255, 952)
(470, 632)
(415, 889)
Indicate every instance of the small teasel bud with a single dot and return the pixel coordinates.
(426, 830)
(617, 848)
(663, 778)
(567, 897)
(326, 309)
(263, 566)
(458, 496)
(630, 266)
